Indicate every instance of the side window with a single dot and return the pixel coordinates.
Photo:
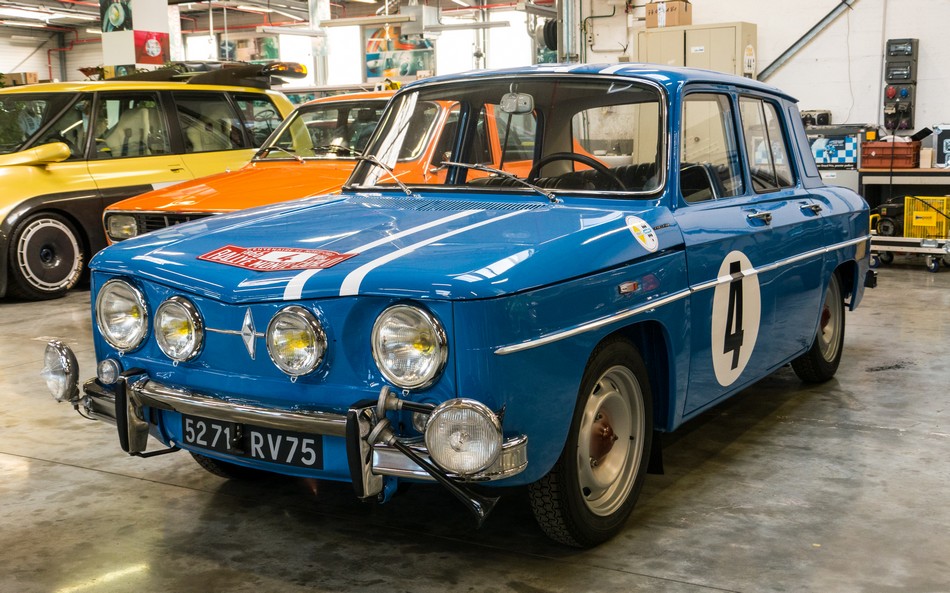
(71, 128)
(766, 147)
(208, 122)
(260, 115)
(129, 125)
(709, 152)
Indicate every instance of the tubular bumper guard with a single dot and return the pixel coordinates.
(123, 403)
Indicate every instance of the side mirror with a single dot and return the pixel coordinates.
(54, 152)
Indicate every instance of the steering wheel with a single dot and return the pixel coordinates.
(573, 156)
(266, 115)
(57, 137)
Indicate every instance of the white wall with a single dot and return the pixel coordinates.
(23, 50)
(840, 70)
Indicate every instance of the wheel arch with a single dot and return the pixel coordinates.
(72, 206)
(653, 342)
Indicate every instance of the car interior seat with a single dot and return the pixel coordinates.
(130, 135)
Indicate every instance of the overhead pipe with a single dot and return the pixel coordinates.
(805, 39)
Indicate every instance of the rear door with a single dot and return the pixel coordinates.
(131, 151)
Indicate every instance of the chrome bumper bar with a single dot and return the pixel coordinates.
(381, 459)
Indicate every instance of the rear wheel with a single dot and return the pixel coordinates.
(590, 492)
(821, 361)
(231, 471)
(46, 257)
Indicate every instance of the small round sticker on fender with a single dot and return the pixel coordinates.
(643, 233)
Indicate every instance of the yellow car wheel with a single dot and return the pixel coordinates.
(46, 257)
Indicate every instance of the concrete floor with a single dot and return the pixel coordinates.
(841, 487)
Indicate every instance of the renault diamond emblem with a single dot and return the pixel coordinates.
(248, 333)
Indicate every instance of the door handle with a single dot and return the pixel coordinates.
(765, 217)
(176, 169)
(815, 208)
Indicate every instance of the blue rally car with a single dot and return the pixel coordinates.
(596, 254)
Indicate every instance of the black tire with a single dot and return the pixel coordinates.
(590, 492)
(887, 257)
(231, 471)
(821, 361)
(46, 257)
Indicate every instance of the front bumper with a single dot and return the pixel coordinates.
(124, 403)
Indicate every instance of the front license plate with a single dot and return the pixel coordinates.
(253, 442)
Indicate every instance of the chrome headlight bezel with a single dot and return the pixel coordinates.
(135, 338)
(121, 226)
(307, 321)
(190, 314)
(425, 322)
(444, 426)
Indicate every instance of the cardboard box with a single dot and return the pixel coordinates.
(890, 155)
(18, 78)
(669, 14)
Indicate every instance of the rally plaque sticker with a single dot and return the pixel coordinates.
(643, 233)
(736, 311)
(275, 259)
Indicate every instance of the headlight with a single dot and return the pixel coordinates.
(409, 346)
(121, 226)
(179, 330)
(121, 315)
(463, 436)
(295, 341)
(61, 372)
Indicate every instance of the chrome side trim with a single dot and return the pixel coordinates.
(149, 393)
(592, 325)
(627, 313)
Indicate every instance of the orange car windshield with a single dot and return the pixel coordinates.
(338, 129)
(558, 134)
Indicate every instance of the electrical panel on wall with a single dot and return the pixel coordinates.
(900, 83)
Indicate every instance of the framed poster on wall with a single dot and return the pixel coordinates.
(396, 57)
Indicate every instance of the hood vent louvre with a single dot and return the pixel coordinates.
(426, 205)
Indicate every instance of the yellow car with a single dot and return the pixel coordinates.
(68, 150)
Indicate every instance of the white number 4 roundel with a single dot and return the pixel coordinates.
(736, 311)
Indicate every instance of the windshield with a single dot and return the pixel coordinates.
(22, 115)
(326, 130)
(552, 133)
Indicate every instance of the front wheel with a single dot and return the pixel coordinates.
(46, 257)
(821, 361)
(590, 492)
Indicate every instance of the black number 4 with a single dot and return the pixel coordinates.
(733, 340)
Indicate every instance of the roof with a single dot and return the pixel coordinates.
(112, 85)
(665, 75)
(364, 96)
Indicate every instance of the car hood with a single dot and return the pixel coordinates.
(432, 247)
(255, 184)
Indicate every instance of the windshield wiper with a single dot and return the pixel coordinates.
(262, 153)
(549, 195)
(372, 159)
(336, 148)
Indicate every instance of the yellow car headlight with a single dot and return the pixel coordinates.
(296, 341)
(409, 346)
(121, 315)
(179, 329)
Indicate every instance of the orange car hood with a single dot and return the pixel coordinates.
(255, 184)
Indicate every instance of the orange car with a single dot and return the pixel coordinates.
(312, 153)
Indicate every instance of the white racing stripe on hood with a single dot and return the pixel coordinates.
(294, 289)
(351, 284)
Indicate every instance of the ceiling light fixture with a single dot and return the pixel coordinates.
(462, 3)
(367, 20)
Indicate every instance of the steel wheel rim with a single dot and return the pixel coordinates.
(607, 472)
(47, 255)
(829, 331)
